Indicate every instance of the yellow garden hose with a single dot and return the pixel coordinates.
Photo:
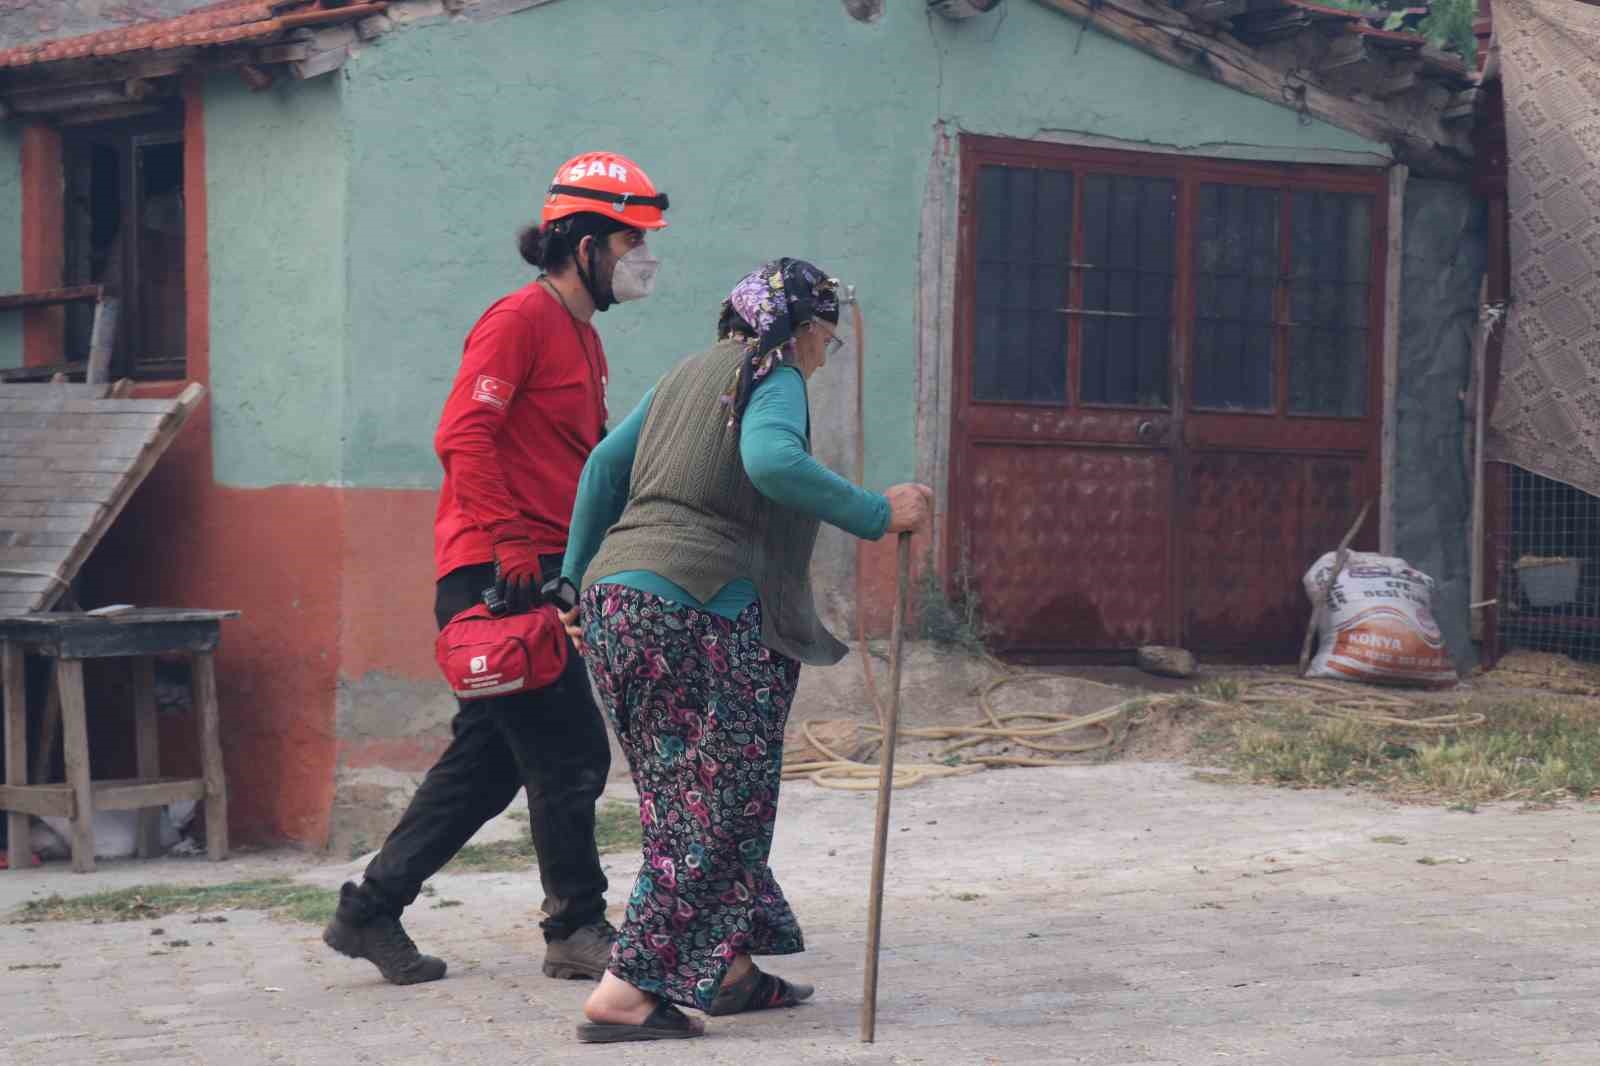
(1320, 698)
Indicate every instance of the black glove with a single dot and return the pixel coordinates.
(516, 568)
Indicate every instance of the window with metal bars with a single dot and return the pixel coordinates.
(1078, 275)
(1125, 303)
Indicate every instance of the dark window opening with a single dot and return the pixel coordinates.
(1236, 264)
(1329, 302)
(1078, 277)
(1024, 241)
(125, 230)
(1129, 233)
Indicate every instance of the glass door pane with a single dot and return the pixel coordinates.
(1236, 263)
(1129, 265)
(1024, 240)
(1329, 302)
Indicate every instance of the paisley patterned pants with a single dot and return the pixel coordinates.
(699, 705)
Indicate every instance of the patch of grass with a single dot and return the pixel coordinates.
(1301, 750)
(501, 855)
(1223, 690)
(952, 617)
(33, 966)
(358, 848)
(443, 903)
(1527, 749)
(967, 897)
(1389, 838)
(616, 828)
(278, 896)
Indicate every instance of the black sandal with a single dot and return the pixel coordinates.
(666, 1022)
(758, 990)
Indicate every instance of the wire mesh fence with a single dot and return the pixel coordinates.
(1549, 565)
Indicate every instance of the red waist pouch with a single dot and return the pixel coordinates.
(483, 655)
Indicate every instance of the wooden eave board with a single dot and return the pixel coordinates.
(70, 459)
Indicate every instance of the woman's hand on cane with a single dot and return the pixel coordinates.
(910, 506)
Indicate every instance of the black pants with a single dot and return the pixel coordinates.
(551, 743)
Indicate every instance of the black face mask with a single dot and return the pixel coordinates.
(599, 288)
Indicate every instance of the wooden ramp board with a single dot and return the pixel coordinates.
(71, 457)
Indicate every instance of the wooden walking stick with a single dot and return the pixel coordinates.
(1319, 609)
(880, 843)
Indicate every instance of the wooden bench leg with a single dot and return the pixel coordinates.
(19, 852)
(147, 750)
(75, 753)
(49, 729)
(204, 670)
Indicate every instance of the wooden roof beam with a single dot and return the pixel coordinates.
(1398, 80)
(69, 74)
(112, 113)
(1463, 106)
(1342, 51)
(1216, 11)
(102, 95)
(1418, 139)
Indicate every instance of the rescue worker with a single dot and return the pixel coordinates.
(527, 407)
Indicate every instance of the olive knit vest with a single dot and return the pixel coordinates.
(694, 518)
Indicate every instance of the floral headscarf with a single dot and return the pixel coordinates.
(774, 301)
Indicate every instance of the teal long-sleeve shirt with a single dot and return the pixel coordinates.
(772, 444)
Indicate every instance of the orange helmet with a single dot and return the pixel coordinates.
(605, 184)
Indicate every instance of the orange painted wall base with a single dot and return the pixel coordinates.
(877, 571)
(272, 554)
(334, 585)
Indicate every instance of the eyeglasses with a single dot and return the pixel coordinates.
(832, 344)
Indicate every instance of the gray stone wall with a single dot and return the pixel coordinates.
(1444, 244)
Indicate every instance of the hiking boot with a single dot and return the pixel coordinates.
(583, 955)
(361, 932)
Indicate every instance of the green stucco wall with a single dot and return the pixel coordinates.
(784, 129)
(10, 240)
(276, 199)
(360, 221)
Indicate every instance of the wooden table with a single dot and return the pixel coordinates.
(139, 635)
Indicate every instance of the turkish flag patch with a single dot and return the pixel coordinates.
(492, 391)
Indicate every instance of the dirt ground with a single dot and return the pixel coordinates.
(945, 686)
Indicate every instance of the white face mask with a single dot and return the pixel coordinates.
(634, 275)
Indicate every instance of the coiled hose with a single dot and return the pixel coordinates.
(1320, 698)
(836, 771)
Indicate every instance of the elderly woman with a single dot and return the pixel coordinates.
(697, 613)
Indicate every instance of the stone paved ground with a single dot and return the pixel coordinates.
(1116, 914)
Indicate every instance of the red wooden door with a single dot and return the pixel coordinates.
(1167, 393)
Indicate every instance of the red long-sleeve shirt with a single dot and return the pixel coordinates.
(527, 407)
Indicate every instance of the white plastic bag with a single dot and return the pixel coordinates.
(1379, 625)
(115, 832)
